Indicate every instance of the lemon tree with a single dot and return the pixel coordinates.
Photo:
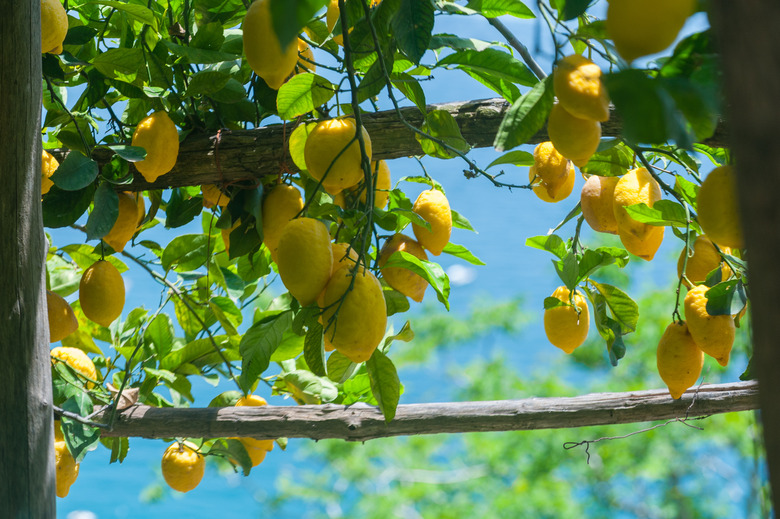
(149, 79)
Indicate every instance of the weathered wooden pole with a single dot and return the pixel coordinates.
(27, 487)
(749, 43)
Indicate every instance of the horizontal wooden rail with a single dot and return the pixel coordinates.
(360, 422)
(234, 155)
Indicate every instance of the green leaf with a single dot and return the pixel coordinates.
(121, 64)
(568, 269)
(200, 56)
(182, 208)
(612, 162)
(609, 329)
(501, 86)
(160, 334)
(207, 82)
(76, 172)
(443, 126)
(525, 117)
(459, 251)
(313, 350)
(518, 158)
(291, 346)
(663, 212)
(572, 9)
(129, 153)
(258, 344)
(289, 17)
(187, 252)
(623, 308)
(385, 385)
(340, 368)
(551, 243)
(455, 42)
(412, 25)
(62, 208)
(493, 62)
(302, 94)
(135, 12)
(79, 437)
(104, 212)
(193, 351)
(461, 222)
(726, 298)
(395, 301)
(431, 272)
(496, 8)
(411, 88)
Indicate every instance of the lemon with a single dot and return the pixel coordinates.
(282, 204)
(704, 260)
(182, 466)
(158, 136)
(578, 87)
(718, 208)
(262, 49)
(644, 247)
(256, 449)
(332, 15)
(305, 57)
(58, 436)
(76, 359)
(679, 359)
(48, 166)
(67, 470)
(565, 327)
(404, 280)
(325, 160)
(713, 334)
(354, 320)
(102, 293)
(343, 256)
(433, 207)
(54, 26)
(304, 258)
(596, 201)
(643, 27)
(213, 196)
(62, 320)
(552, 175)
(635, 187)
(226, 235)
(383, 183)
(574, 138)
(126, 222)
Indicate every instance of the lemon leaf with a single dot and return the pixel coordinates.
(525, 117)
(302, 94)
(385, 385)
(313, 351)
(258, 344)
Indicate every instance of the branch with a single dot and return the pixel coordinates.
(360, 422)
(251, 154)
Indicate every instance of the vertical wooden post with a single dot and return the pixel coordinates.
(27, 475)
(750, 45)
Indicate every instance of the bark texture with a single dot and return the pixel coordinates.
(235, 155)
(360, 422)
(26, 436)
(750, 45)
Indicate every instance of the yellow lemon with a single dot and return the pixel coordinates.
(383, 183)
(404, 280)
(67, 470)
(126, 222)
(54, 26)
(713, 334)
(718, 208)
(62, 319)
(304, 258)
(282, 204)
(643, 27)
(262, 49)
(48, 166)
(354, 320)
(433, 207)
(343, 256)
(213, 196)
(565, 327)
(102, 293)
(578, 87)
(704, 260)
(575, 138)
(226, 235)
(256, 449)
(76, 359)
(332, 15)
(679, 359)
(644, 247)
(305, 57)
(596, 201)
(182, 466)
(158, 136)
(552, 175)
(332, 154)
(635, 187)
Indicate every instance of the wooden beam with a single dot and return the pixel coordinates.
(749, 43)
(252, 154)
(360, 422)
(26, 435)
